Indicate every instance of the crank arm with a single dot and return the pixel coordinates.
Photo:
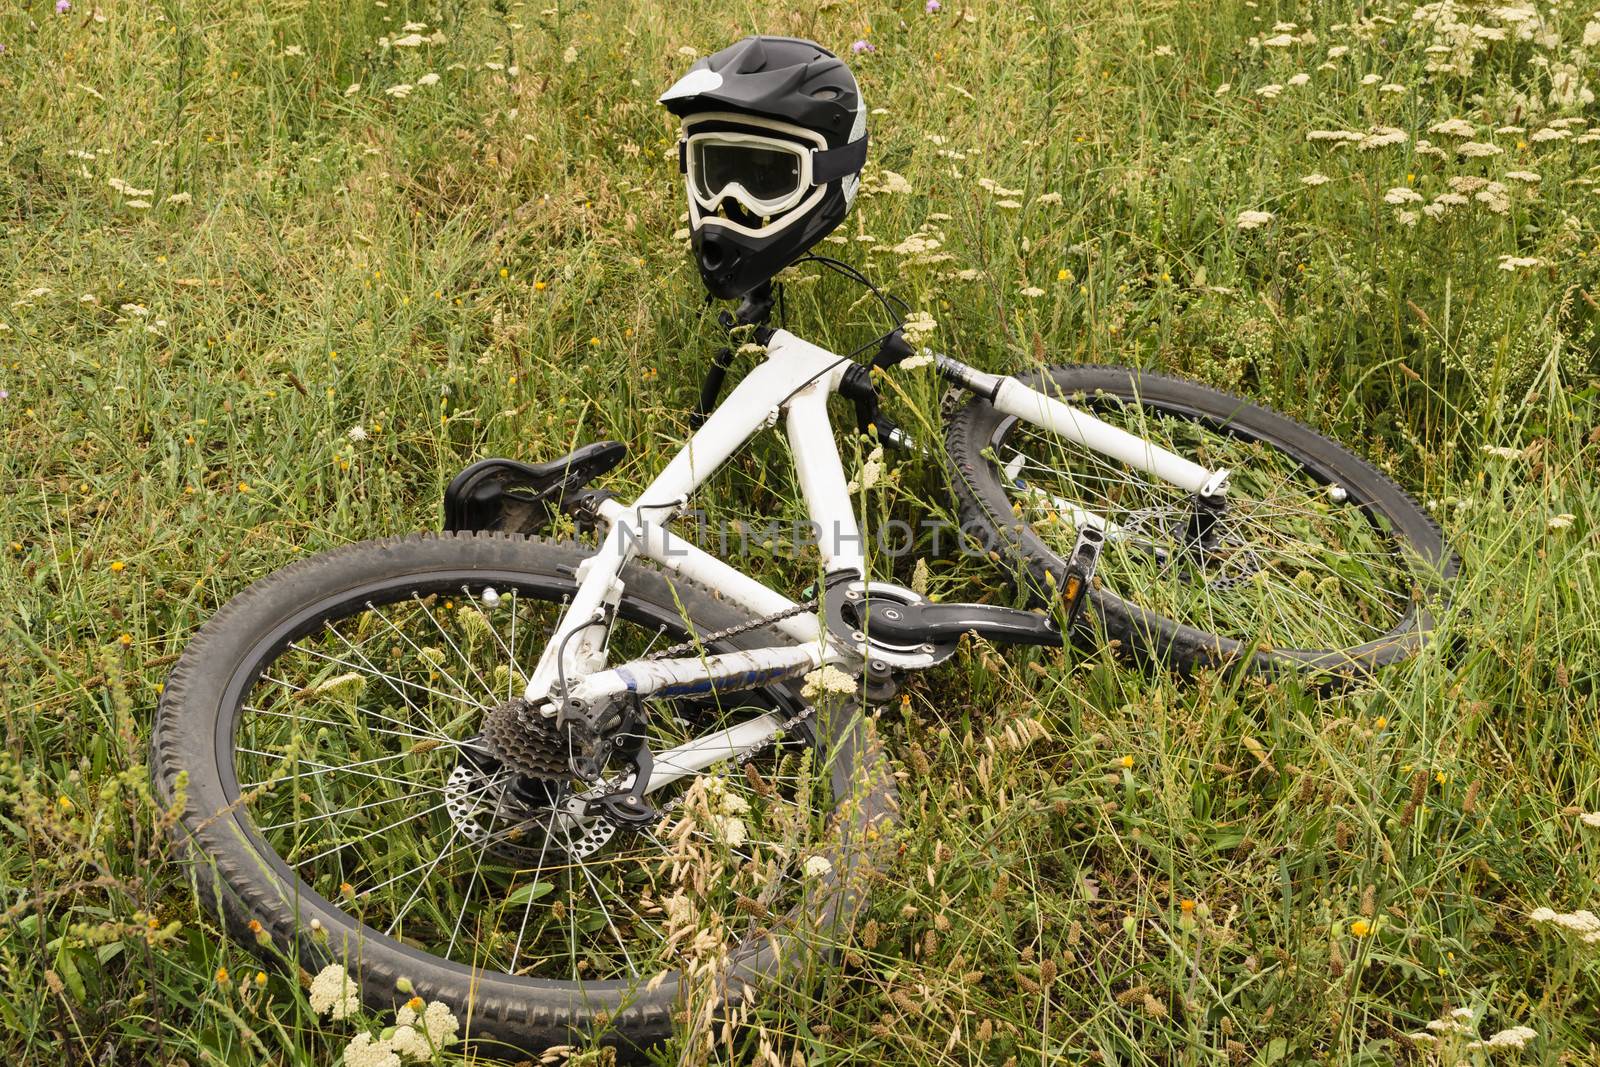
(918, 624)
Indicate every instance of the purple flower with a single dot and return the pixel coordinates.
(932, 7)
(63, 6)
(858, 48)
(5, 394)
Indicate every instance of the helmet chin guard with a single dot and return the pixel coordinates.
(774, 139)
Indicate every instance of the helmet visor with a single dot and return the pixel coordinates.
(765, 175)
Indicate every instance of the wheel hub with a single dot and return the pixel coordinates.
(525, 821)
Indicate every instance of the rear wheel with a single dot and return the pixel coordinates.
(339, 794)
(1318, 563)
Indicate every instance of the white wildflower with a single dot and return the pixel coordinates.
(917, 327)
(1338, 51)
(1494, 198)
(429, 78)
(1334, 135)
(293, 50)
(1370, 79)
(1164, 50)
(1591, 819)
(1515, 1037)
(410, 40)
(356, 433)
(413, 27)
(1400, 194)
(1548, 134)
(1315, 178)
(1297, 80)
(828, 679)
(1406, 218)
(1009, 205)
(914, 245)
(180, 198)
(871, 472)
(1591, 34)
(1527, 176)
(1477, 149)
(1503, 452)
(996, 188)
(1392, 87)
(436, 1023)
(333, 992)
(1561, 522)
(364, 1051)
(817, 866)
(1270, 92)
(1048, 198)
(1518, 262)
(352, 89)
(410, 1043)
(1032, 291)
(730, 829)
(1250, 220)
(1425, 147)
(1567, 87)
(88, 298)
(399, 92)
(890, 182)
(1382, 136)
(1282, 40)
(688, 53)
(570, 56)
(137, 311)
(1224, 89)
(137, 205)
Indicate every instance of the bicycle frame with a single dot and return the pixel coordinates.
(794, 383)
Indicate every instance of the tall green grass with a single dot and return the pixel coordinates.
(487, 265)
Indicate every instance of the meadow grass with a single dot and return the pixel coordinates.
(231, 235)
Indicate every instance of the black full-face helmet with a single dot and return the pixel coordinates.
(774, 138)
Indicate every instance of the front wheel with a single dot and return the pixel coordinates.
(1319, 562)
(341, 805)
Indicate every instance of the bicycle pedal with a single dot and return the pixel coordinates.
(1085, 556)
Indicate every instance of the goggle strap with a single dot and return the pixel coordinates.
(826, 166)
(683, 156)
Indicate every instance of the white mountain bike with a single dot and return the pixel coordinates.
(538, 779)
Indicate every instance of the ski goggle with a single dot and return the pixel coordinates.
(765, 175)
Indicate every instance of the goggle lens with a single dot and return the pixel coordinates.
(766, 174)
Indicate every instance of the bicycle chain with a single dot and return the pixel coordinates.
(697, 643)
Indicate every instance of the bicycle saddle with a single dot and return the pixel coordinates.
(505, 494)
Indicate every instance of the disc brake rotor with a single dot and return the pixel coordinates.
(495, 817)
